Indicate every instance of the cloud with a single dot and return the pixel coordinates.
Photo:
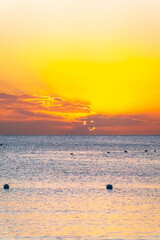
(108, 121)
(40, 106)
(112, 125)
(35, 114)
(5, 96)
(35, 127)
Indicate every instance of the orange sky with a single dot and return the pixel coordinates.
(79, 67)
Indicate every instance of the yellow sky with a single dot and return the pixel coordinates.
(99, 52)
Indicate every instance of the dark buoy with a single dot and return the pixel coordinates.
(109, 186)
(108, 152)
(154, 150)
(146, 150)
(1, 144)
(125, 151)
(6, 186)
(71, 153)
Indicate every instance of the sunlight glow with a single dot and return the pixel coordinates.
(102, 54)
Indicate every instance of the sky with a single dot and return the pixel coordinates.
(88, 67)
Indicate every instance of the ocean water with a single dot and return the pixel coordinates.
(56, 195)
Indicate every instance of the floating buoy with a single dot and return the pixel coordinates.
(108, 152)
(154, 150)
(109, 186)
(146, 150)
(6, 186)
(71, 153)
(125, 151)
(1, 144)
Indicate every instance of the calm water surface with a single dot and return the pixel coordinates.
(56, 195)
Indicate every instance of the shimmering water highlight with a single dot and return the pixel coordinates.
(56, 195)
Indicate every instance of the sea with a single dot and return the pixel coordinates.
(57, 187)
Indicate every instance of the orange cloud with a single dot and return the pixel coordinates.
(34, 114)
(39, 107)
